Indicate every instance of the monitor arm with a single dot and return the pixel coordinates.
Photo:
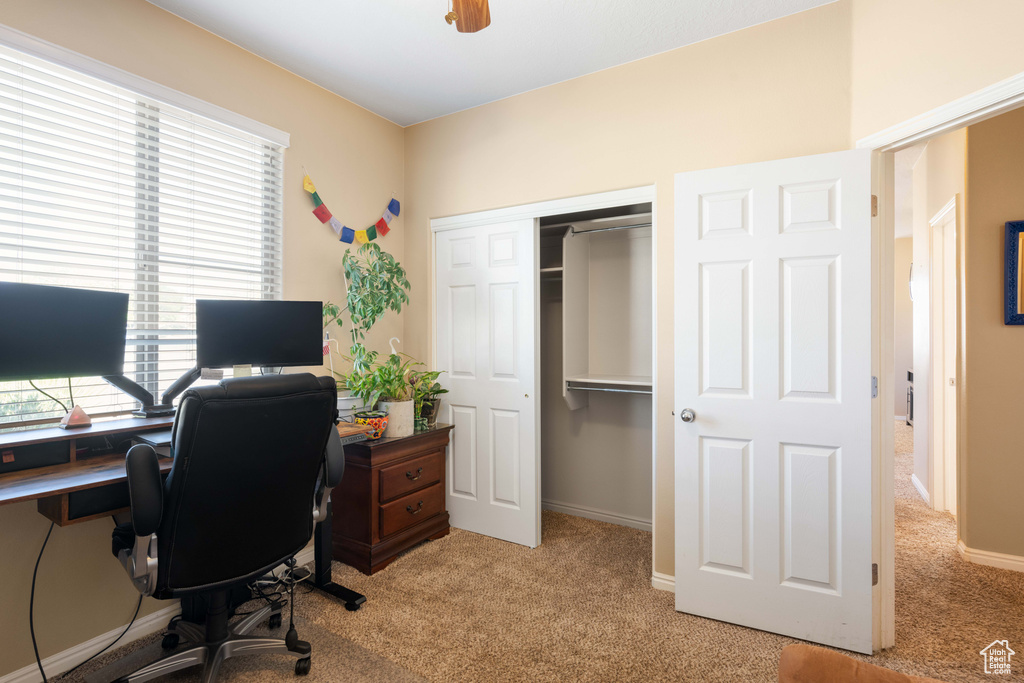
(180, 385)
(131, 388)
(141, 395)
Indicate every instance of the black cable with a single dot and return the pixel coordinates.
(137, 607)
(32, 602)
(71, 393)
(58, 402)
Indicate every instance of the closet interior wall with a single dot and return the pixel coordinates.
(596, 460)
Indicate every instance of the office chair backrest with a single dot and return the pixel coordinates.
(239, 498)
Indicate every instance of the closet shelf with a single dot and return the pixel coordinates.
(624, 380)
(616, 384)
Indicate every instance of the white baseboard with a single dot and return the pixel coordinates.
(901, 418)
(663, 582)
(921, 489)
(57, 664)
(989, 558)
(73, 656)
(595, 514)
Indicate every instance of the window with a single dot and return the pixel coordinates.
(105, 187)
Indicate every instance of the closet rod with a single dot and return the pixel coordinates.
(613, 391)
(574, 231)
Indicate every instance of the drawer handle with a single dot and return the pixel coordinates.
(419, 473)
(409, 509)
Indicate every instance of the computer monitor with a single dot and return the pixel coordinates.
(275, 333)
(50, 332)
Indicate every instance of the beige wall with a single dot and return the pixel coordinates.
(357, 161)
(938, 177)
(911, 56)
(771, 91)
(903, 318)
(993, 469)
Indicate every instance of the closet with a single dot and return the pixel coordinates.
(596, 345)
(544, 330)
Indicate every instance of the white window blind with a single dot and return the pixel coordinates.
(103, 188)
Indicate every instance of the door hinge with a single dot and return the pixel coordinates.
(874, 387)
(874, 574)
(874, 205)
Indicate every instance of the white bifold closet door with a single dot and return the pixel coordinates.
(486, 294)
(773, 320)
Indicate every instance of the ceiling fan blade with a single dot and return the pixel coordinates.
(474, 15)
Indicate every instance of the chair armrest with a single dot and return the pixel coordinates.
(333, 469)
(335, 459)
(145, 489)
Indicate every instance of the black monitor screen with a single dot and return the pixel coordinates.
(258, 333)
(48, 332)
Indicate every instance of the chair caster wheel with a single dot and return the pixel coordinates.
(302, 666)
(170, 641)
(353, 606)
(275, 620)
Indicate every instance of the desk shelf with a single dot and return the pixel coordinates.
(75, 489)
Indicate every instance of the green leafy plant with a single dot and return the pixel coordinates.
(388, 380)
(376, 284)
(332, 313)
(425, 388)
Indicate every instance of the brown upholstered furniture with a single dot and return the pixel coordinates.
(810, 664)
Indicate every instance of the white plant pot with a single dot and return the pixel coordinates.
(348, 406)
(400, 422)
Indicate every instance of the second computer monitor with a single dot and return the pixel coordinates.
(276, 333)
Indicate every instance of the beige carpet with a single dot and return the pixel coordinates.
(581, 608)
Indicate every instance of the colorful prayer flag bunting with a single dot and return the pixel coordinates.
(345, 234)
(322, 213)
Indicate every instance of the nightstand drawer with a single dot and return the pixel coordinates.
(405, 512)
(410, 475)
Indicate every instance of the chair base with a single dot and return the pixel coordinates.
(210, 653)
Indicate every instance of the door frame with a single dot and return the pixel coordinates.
(941, 453)
(554, 207)
(986, 103)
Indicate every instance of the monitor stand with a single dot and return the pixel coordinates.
(150, 408)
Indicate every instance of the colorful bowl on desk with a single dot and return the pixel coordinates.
(373, 418)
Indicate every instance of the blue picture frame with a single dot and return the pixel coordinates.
(1013, 268)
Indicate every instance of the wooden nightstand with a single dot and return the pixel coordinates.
(391, 498)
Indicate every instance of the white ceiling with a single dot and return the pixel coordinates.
(400, 59)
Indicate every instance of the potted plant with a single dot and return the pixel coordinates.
(375, 283)
(348, 403)
(385, 385)
(426, 397)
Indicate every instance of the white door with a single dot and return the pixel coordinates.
(942, 229)
(486, 284)
(773, 357)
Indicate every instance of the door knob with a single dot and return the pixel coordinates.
(687, 415)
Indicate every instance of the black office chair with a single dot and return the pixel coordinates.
(252, 459)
